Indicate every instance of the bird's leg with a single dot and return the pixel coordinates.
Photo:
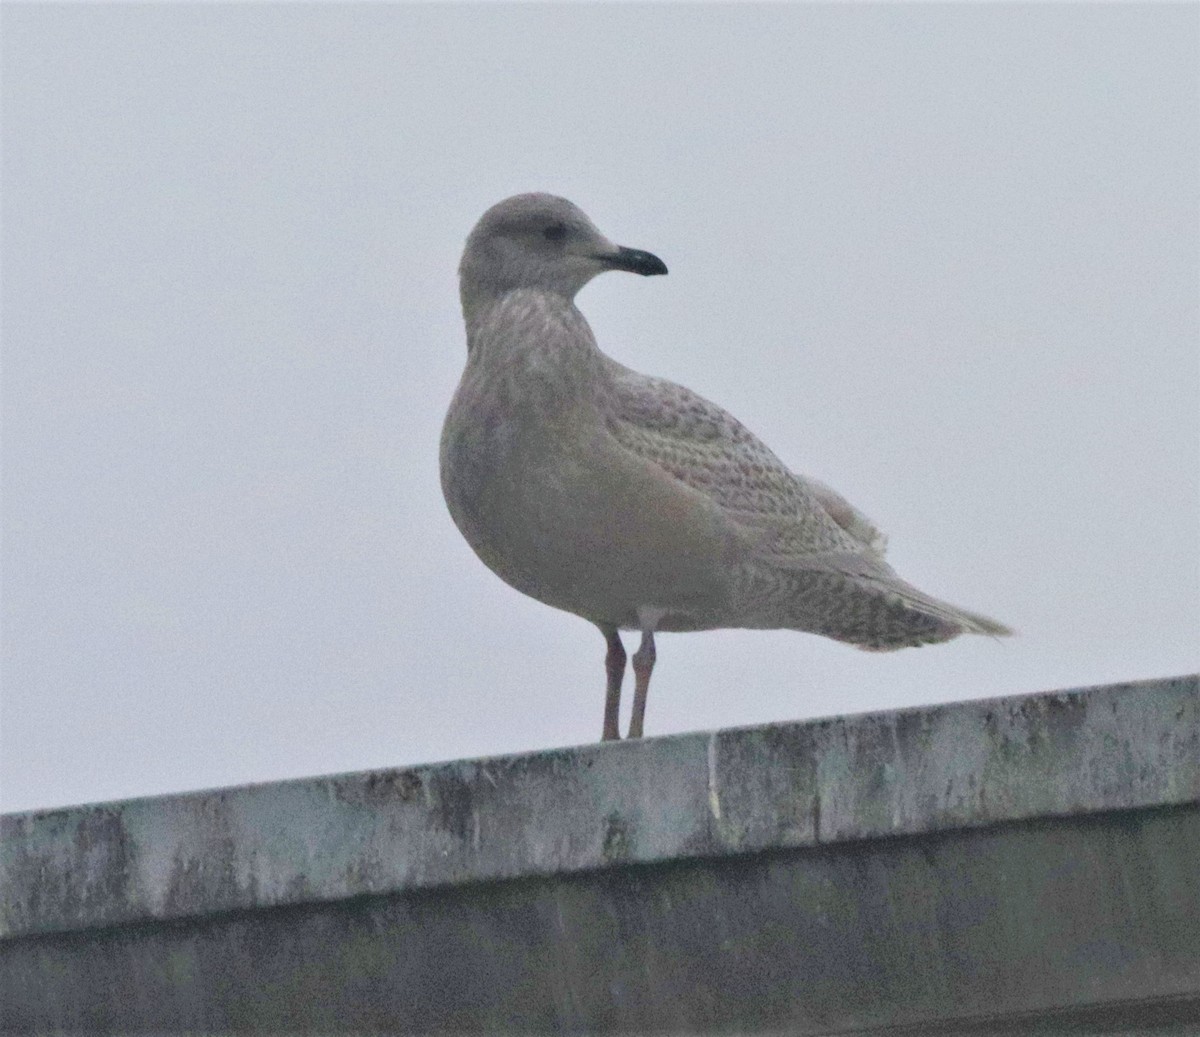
(614, 667)
(643, 663)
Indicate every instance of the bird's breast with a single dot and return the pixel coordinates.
(558, 513)
(551, 502)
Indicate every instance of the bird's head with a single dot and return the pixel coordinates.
(545, 242)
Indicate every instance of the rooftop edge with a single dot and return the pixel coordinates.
(728, 792)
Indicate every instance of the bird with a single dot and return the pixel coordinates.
(630, 500)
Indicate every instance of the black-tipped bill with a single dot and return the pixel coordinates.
(636, 261)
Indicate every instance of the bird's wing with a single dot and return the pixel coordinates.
(848, 516)
(708, 449)
(819, 561)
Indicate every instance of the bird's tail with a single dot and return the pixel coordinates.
(871, 608)
(905, 616)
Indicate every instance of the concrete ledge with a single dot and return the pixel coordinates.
(561, 811)
(1027, 862)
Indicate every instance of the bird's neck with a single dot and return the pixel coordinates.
(535, 346)
(477, 306)
(486, 311)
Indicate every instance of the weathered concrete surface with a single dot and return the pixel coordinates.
(571, 810)
(1029, 863)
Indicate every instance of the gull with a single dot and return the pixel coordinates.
(630, 500)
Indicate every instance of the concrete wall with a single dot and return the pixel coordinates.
(1007, 866)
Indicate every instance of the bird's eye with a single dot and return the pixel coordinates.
(555, 232)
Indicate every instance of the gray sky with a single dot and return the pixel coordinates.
(943, 258)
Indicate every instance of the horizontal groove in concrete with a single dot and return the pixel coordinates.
(729, 792)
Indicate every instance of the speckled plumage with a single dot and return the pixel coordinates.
(630, 500)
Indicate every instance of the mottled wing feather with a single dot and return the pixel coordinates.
(818, 562)
(708, 449)
(848, 516)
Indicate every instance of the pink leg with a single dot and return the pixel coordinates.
(643, 664)
(614, 667)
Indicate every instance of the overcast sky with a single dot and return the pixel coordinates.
(943, 258)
